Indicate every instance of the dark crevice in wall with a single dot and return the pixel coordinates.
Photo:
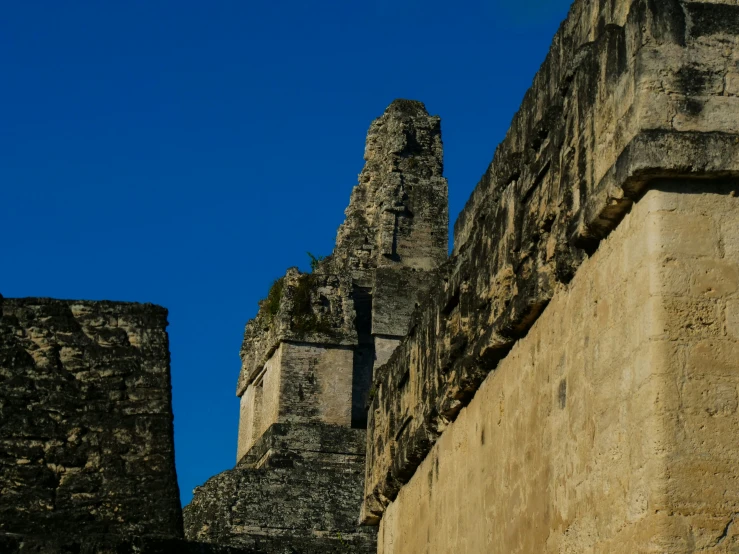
(364, 356)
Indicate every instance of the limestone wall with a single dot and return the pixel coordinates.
(259, 405)
(86, 435)
(610, 427)
(317, 384)
(631, 91)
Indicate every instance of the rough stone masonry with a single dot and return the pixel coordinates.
(86, 435)
(87, 444)
(309, 355)
(633, 93)
(565, 382)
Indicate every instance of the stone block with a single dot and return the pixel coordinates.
(732, 318)
(384, 348)
(714, 278)
(682, 234)
(315, 384)
(730, 236)
(396, 294)
(306, 506)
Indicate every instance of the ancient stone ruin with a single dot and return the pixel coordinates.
(308, 356)
(572, 383)
(566, 381)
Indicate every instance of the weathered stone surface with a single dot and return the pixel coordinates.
(291, 505)
(10, 544)
(299, 487)
(294, 445)
(86, 437)
(609, 427)
(398, 213)
(301, 383)
(311, 308)
(397, 292)
(632, 90)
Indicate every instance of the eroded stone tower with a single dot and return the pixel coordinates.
(308, 355)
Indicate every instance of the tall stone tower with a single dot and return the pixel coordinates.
(309, 354)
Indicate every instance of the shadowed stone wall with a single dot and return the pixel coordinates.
(297, 490)
(86, 437)
(10, 544)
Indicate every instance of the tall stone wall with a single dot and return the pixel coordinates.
(631, 91)
(608, 427)
(86, 436)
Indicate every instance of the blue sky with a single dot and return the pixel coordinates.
(186, 153)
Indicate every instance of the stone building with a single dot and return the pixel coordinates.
(567, 381)
(308, 356)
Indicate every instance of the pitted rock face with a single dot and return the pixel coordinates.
(86, 436)
(299, 490)
(312, 308)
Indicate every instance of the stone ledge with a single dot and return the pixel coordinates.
(310, 506)
(17, 544)
(300, 443)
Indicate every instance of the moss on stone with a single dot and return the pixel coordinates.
(274, 297)
(302, 303)
(305, 320)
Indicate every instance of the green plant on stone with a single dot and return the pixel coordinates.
(305, 321)
(315, 261)
(274, 297)
(302, 304)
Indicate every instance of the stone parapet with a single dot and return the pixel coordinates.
(631, 91)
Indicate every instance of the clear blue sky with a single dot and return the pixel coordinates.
(186, 153)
